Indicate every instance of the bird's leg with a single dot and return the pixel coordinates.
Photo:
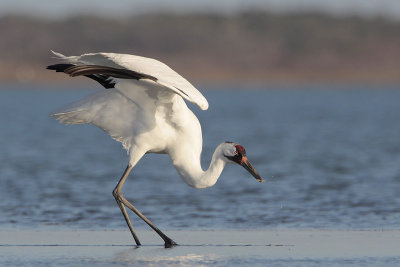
(168, 241)
(117, 193)
(121, 200)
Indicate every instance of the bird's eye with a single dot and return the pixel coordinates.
(235, 152)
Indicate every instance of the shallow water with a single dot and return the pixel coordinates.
(331, 159)
(202, 248)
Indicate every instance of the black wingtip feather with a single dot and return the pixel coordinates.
(59, 67)
(101, 74)
(104, 80)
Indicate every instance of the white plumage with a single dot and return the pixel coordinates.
(165, 75)
(145, 111)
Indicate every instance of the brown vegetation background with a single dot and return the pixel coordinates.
(247, 47)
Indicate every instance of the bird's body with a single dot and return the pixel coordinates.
(144, 109)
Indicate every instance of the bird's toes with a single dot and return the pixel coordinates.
(170, 243)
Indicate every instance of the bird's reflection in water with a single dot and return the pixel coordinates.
(157, 256)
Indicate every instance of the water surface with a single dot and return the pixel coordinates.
(202, 248)
(331, 159)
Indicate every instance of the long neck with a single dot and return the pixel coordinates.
(191, 172)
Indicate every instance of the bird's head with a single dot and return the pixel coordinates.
(235, 153)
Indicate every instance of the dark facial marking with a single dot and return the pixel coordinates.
(240, 152)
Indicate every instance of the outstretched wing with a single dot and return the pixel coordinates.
(102, 66)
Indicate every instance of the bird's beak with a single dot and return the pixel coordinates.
(246, 164)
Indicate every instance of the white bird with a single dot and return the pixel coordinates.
(144, 109)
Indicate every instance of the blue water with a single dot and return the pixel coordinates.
(331, 158)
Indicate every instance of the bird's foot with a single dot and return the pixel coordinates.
(169, 243)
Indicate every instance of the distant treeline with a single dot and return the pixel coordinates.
(250, 46)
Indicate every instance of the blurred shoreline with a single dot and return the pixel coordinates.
(246, 48)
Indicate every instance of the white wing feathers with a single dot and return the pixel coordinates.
(164, 74)
(110, 111)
